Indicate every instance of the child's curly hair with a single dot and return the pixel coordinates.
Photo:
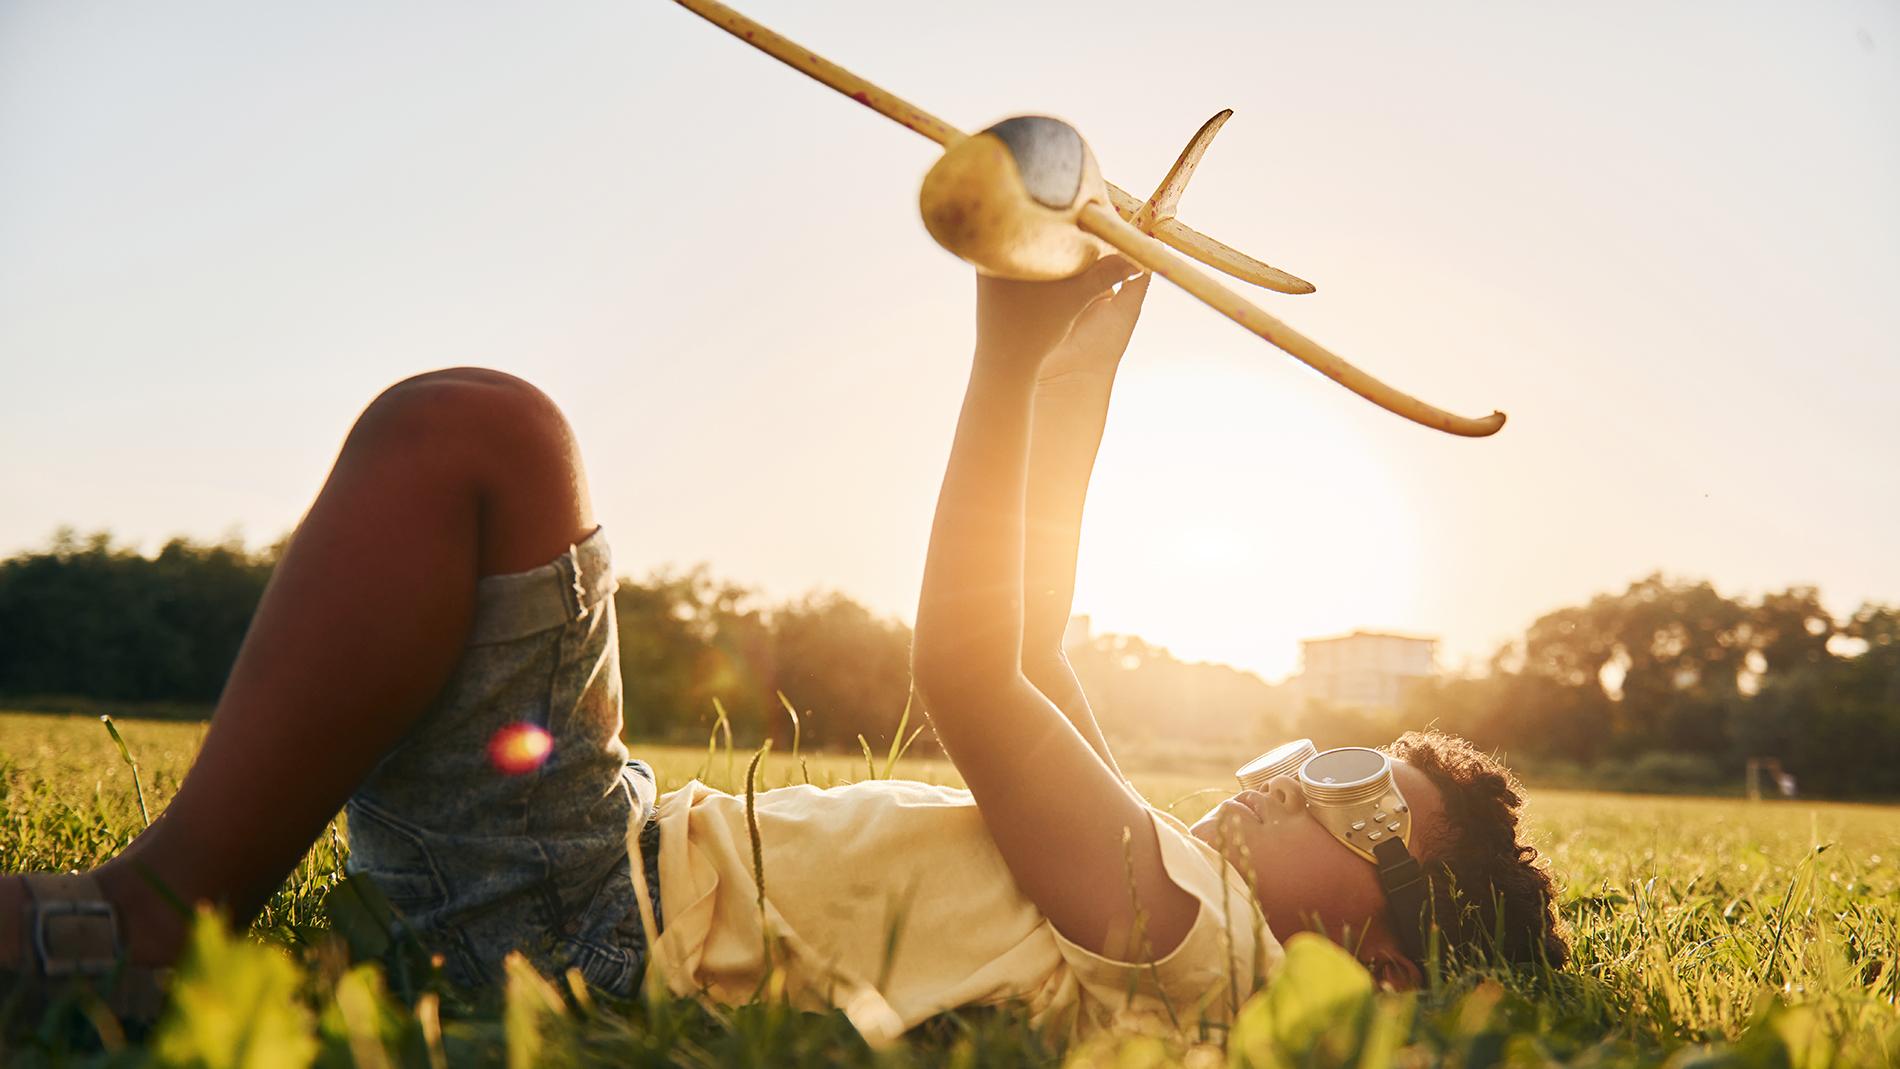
(1481, 864)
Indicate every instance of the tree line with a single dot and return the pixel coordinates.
(88, 619)
(1672, 684)
(1668, 684)
(693, 648)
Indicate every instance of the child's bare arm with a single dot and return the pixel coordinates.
(1071, 411)
(1074, 834)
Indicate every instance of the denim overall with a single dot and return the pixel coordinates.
(480, 862)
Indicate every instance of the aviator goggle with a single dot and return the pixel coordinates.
(1352, 793)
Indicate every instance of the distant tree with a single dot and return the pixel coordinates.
(87, 618)
(687, 639)
(1331, 726)
(1835, 721)
(846, 671)
(1674, 669)
(1514, 712)
(1139, 691)
(1681, 650)
(1791, 630)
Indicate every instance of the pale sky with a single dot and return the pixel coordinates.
(1665, 238)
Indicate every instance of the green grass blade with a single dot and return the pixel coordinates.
(725, 725)
(758, 846)
(793, 713)
(898, 745)
(126, 755)
(712, 744)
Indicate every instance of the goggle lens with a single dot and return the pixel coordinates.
(1280, 761)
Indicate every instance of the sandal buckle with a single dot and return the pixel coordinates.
(78, 918)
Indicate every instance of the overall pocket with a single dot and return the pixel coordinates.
(394, 855)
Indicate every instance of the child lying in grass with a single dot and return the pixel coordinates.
(436, 650)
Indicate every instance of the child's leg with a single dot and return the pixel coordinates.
(446, 477)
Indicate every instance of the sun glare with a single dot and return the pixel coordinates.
(517, 749)
(1227, 521)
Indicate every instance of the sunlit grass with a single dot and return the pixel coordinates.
(1720, 930)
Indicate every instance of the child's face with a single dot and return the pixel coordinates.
(1302, 873)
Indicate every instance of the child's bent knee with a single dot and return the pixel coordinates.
(477, 407)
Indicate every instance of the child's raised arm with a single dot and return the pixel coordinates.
(1066, 823)
(1071, 411)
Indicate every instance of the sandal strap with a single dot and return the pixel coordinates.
(71, 929)
(71, 932)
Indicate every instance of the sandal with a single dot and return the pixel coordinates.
(69, 941)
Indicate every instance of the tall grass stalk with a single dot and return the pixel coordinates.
(126, 755)
(1138, 942)
(722, 724)
(900, 744)
(758, 846)
(793, 713)
(1223, 830)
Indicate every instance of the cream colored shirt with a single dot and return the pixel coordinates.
(889, 900)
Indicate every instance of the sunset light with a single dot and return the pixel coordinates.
(1234, 519)
(224, 236)
(918, 507)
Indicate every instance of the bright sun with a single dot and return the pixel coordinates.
(1227, 521)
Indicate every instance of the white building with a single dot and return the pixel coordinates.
(1364, 668)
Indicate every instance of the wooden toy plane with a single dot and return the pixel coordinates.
(1025, 199)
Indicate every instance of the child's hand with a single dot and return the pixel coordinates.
(1095, 344)
(1064, 326)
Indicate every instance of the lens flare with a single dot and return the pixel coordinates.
(519, 748)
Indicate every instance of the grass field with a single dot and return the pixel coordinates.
(1707, 932)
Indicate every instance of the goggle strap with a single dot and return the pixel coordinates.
(1404, 884)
